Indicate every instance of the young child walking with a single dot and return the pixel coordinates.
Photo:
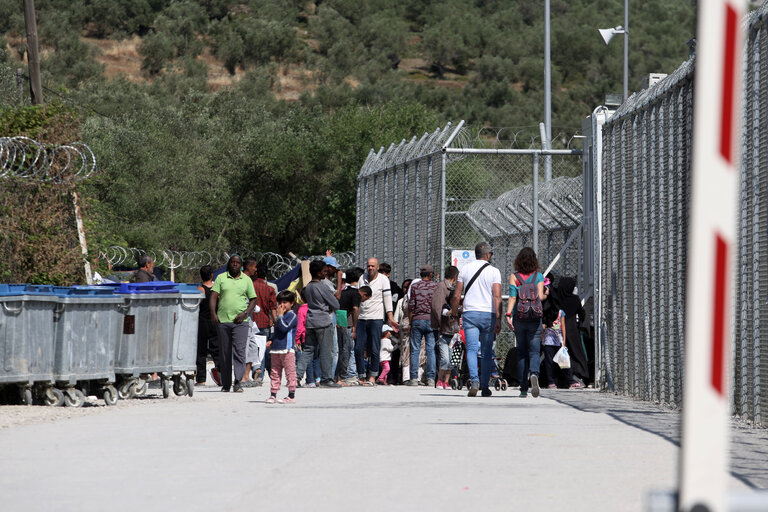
(552, 340)
(385, 354)
(283, 348)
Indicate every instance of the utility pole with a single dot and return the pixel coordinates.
(33, 56)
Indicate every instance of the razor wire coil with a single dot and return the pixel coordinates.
(277, 264)
(22, 157)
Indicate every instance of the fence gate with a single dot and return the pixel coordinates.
(422, 199)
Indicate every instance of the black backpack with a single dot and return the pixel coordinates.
(529, 306)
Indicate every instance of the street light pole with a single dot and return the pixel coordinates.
(608, 33)
(626, 50)
(545, 144)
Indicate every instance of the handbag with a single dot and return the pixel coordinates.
(562, 358)
(457, 352)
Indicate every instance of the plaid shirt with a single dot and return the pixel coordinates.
(420, 303)
(266, 299)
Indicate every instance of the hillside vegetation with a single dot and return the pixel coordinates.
(220, 123)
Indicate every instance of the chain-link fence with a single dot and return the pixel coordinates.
(14, 87)
(421, 200)
(645, 192)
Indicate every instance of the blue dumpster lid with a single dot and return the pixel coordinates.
(84, 291)
(149, 287)
(189, 288)
(38, 289)
(25, 289)
(12, 289)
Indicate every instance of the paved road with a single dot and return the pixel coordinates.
(349, 449)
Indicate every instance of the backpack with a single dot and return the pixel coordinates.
(529, 306)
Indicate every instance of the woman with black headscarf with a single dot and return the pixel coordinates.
(571, 304)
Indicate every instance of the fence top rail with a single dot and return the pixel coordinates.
(502, 151)
(457, 141)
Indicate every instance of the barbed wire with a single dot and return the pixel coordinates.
(277, 264)
(22, 157)
(526, 137)
(511, 213)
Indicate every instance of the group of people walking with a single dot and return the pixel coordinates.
(345, 327)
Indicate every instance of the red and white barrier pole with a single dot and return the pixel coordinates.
(711, 256)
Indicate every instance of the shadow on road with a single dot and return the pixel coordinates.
(749, 445)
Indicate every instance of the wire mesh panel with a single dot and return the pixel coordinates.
(645, 196)
(750, 361)
(400, 192)
(14, 90)
(645, 202)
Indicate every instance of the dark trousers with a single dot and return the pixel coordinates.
(207, 343)
(561, 377)
(233, 339)
(528, 336)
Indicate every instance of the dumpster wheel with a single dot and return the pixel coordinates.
(54, 397)
(166, 388)
(140, 387)
(74, 398)
(126, 390)
(110, 395)
(190, 386)
(179, 386)
(26, 396)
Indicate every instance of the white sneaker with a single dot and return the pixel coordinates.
(535, 386)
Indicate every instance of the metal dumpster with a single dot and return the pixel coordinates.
(146, 343)
(26, 342)
(184, 359)
(87, 324)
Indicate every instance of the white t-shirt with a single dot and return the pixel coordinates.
(380, 302)
(480, 296)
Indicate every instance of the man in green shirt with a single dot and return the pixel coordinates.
(232, 301)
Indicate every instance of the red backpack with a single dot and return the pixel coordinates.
(528, 302)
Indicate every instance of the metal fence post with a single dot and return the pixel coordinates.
(535, 205)
(443, 208)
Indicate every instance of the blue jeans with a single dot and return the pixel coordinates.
(350, 354)
(528, 336)
(335, 346)
(419, 329)
(479, 335)
(444, 342)
(313, 370)
(368, 340)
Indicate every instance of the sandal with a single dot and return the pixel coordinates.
(270, 400)
(367, 383)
